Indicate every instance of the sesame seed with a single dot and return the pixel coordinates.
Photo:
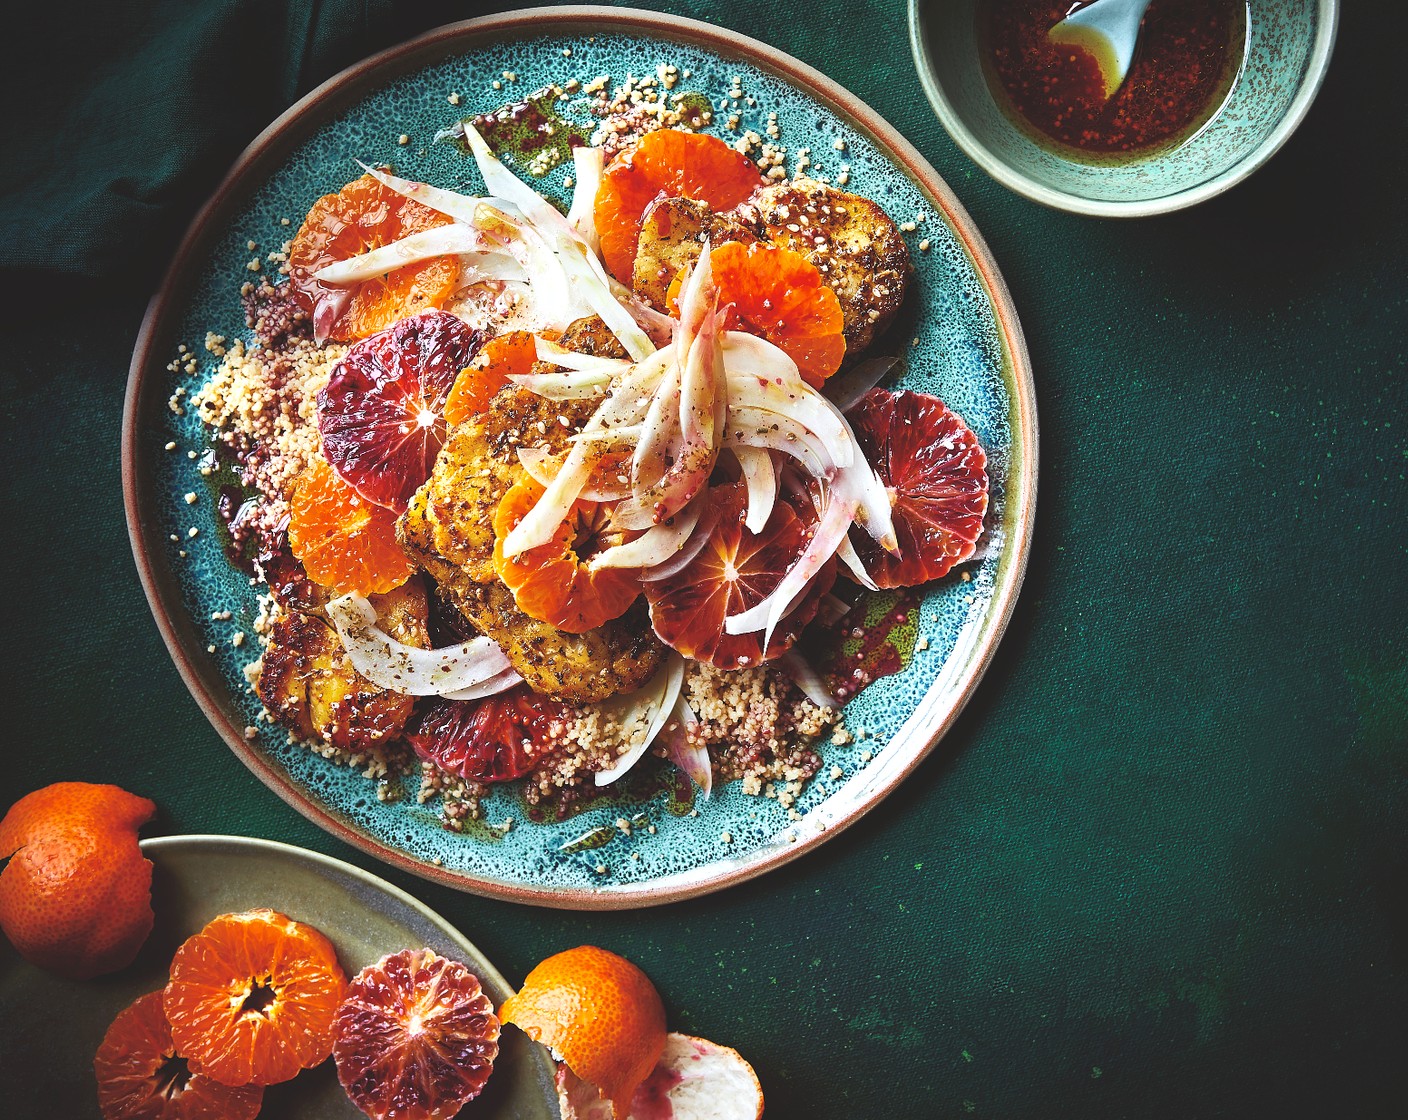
(727, 838)
(191, 498)
(193, 532)
(924, 245)
(171, 446)
(403, 139)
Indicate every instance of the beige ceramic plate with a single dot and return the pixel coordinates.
(50, 1028)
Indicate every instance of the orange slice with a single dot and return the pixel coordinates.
(666, 163)
(344, 541)
(363, 216)
(779, 295)
(141, 1077)
(552, 582)
(252, 998)
(475, 387)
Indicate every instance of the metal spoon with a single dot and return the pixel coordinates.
(1108, 30)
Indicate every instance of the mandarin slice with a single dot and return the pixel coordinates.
(344, 541)
(495, 739)
(141, 1076)
(935, 472)
(600, 1013)
(512, 353)
(416, 1037)
(252, 997)
(667, 163)
(75, 896)
(733, 572)
(366, 215)
(779, 295)
(553, 582)
(381, 414)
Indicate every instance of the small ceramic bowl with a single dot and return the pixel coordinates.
(1287, 52)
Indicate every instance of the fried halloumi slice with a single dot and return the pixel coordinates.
(449, 530)
(854, 244)
(672, 231)
(307, 683)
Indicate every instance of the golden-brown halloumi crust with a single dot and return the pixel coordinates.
(858, 249)
(672, 232)
(307, 683)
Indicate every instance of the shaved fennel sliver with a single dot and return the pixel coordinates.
(656, 545)
(549, 351)
(761, 480)
(652, 705)
(753, 427)
(499, 682)
(801, 403)
(807, 679)
(846, 390)
(542, 466)
(575, 255)
(691, 548)
(563, 386)
(407, 669)
(442, 241)
(692, 758)
(587, 165)
(462, 207)
(846, 553)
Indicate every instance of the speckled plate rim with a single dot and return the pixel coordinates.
(202, 842)
(1327, 15)
(944, 700)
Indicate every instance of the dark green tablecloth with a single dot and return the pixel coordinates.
(1158, 869)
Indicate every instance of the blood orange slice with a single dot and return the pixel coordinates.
(496, 739)
(936, 474)
(734, 572)
(381, 415)
(514, 352)
(666, 163)
(366, 215)
(344, 541)
(141, 1076)
(416, 1037)
(252, 996)
(779, 295)
(553, 582)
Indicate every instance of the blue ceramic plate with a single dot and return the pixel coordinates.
(958, 338)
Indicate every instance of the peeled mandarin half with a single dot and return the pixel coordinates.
(252, 997)
(600, 1013)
